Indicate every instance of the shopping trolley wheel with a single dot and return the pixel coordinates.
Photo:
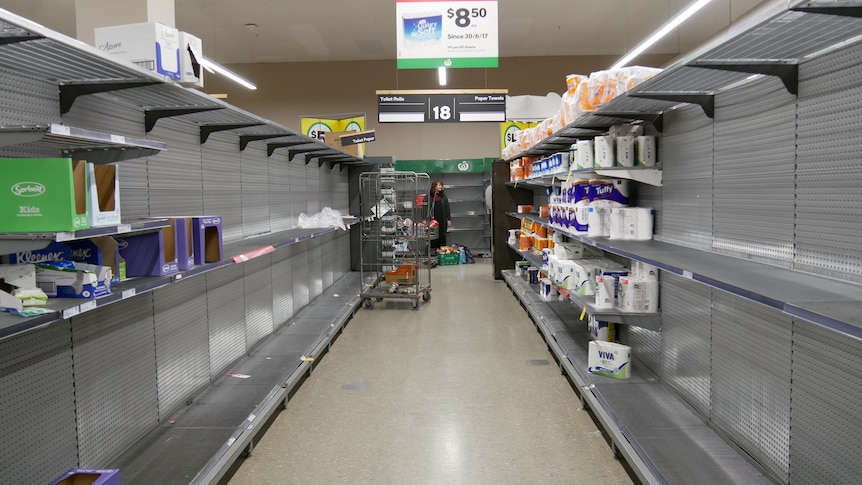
(416, 304)
(380, 299)
(368, 303)
(426, 296)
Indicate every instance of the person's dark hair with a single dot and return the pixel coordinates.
(431, 190)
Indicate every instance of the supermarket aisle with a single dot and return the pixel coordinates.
(454, 393)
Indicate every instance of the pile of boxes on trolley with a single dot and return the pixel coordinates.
(65, 197)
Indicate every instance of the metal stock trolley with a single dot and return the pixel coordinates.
(396, 237)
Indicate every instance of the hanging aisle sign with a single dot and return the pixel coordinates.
(432, 34)
(444, 106)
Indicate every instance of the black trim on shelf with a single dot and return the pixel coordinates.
(244, 140)
(705, 100)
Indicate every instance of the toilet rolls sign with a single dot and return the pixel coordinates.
(432, 34)
(445, 106)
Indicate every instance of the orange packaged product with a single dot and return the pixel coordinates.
(542, 232)
(526, 242)
(544, 211)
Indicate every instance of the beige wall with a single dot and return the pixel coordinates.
(287, 91)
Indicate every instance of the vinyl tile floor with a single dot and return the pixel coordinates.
(461, 391)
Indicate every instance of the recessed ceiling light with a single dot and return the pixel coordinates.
(251, 27)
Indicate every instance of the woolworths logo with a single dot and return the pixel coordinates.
(28, 189)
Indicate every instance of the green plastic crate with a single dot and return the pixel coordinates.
(448, 259)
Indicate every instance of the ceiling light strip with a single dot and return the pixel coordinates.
(212, 66)
(661, 32)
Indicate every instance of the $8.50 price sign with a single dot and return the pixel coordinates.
(453, 34)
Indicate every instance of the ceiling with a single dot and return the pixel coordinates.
(339, 30)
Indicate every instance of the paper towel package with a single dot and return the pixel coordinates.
(609, 359)
(601, 330)
(604, 146)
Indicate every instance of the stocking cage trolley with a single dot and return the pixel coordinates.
(396, 237)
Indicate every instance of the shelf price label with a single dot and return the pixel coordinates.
(446, 106)
(455, 34)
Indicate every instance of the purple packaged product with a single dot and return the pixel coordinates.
(150, 254)
(615, 190)
(89, 476)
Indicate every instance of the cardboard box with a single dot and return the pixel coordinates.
(405, 274)
(43, 195)
(609, 359)
(150, 254)
(89, 476)
(54, 251)
(80, 280)
(345, 141)
(100, 251)
(104, 195)
(151, 45)
(185, 242)
(191, 53)
(207, 239)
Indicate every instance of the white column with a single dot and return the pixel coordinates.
(91, 14)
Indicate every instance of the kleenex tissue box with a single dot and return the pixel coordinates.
(74, 280)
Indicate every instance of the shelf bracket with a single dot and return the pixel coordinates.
(14, 39)
(785, 69)
(244, 140)
(657, 119)
(705, 100)
(291, 154)
(854, 10)
(153, 115)
(207, 130)
(272, 147)
(69, 92)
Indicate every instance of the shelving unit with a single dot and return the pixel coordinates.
(157, 344)
(760, 295)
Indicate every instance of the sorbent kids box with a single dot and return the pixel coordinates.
(43, 195)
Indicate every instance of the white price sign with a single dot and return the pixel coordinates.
(455, 34)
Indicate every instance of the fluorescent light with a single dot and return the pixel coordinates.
(441, 75)
(664, 30)
(212, 66)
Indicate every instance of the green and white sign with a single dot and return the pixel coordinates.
(432, 34)
(455, 165)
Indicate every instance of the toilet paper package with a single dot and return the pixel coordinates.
(615, 192)
(604, 148)
(605, 291)
(609, 359)
(547, 290)
(644, 270)
(625, 151)
(645, 151)
(586, 271)
(601, 330)
(586, 155)
(638, 295)
(598, 220)
(631, 223)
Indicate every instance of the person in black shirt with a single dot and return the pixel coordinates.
(440, 212)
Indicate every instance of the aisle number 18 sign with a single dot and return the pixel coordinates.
(455, 34)
(444, 106)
